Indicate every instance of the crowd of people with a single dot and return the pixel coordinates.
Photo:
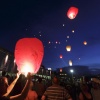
(24, 88)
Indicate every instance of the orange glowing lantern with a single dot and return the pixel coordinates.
(49, 42)
(73, 31)
(61, 56)
(72, 12)
(68, 48)
(85, 43)
(60, 69)
(70, 62)
(28, 55)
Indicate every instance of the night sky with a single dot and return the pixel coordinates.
(47, 21)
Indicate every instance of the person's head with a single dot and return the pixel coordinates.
(84, 87)
(95, 85)
(55, 80)
(3, 73)
(3, 85)
(39, 80)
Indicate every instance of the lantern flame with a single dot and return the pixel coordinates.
(72, 16)
(26, 67)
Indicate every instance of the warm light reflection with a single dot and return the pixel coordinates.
(6, 59)
(14, 60)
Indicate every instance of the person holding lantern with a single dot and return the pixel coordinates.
(5, 89)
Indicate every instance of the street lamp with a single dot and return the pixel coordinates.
(71, 70)
(49, 69)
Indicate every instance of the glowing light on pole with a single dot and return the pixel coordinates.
(49, 69)
(72, 71)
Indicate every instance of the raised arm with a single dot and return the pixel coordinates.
(11, 86)
(25, 90)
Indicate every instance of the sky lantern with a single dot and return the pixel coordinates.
(63, 24)
(70, 62)
(73, 31)
(49, 42)
(28, 55)
(68, 48)
(72, 12)
(60, 69)
(61, 56)
(85, 43)
(67, 36)
(56, 42)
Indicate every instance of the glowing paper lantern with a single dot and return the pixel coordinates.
(49, 42)
(72, 31)
(56, 42)
(68, 48)
(63, 24)
(61, 56)
(72, 12)
(29, 54)
(60, 69)
(85, 43)
(70, 62)
(67, 36)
